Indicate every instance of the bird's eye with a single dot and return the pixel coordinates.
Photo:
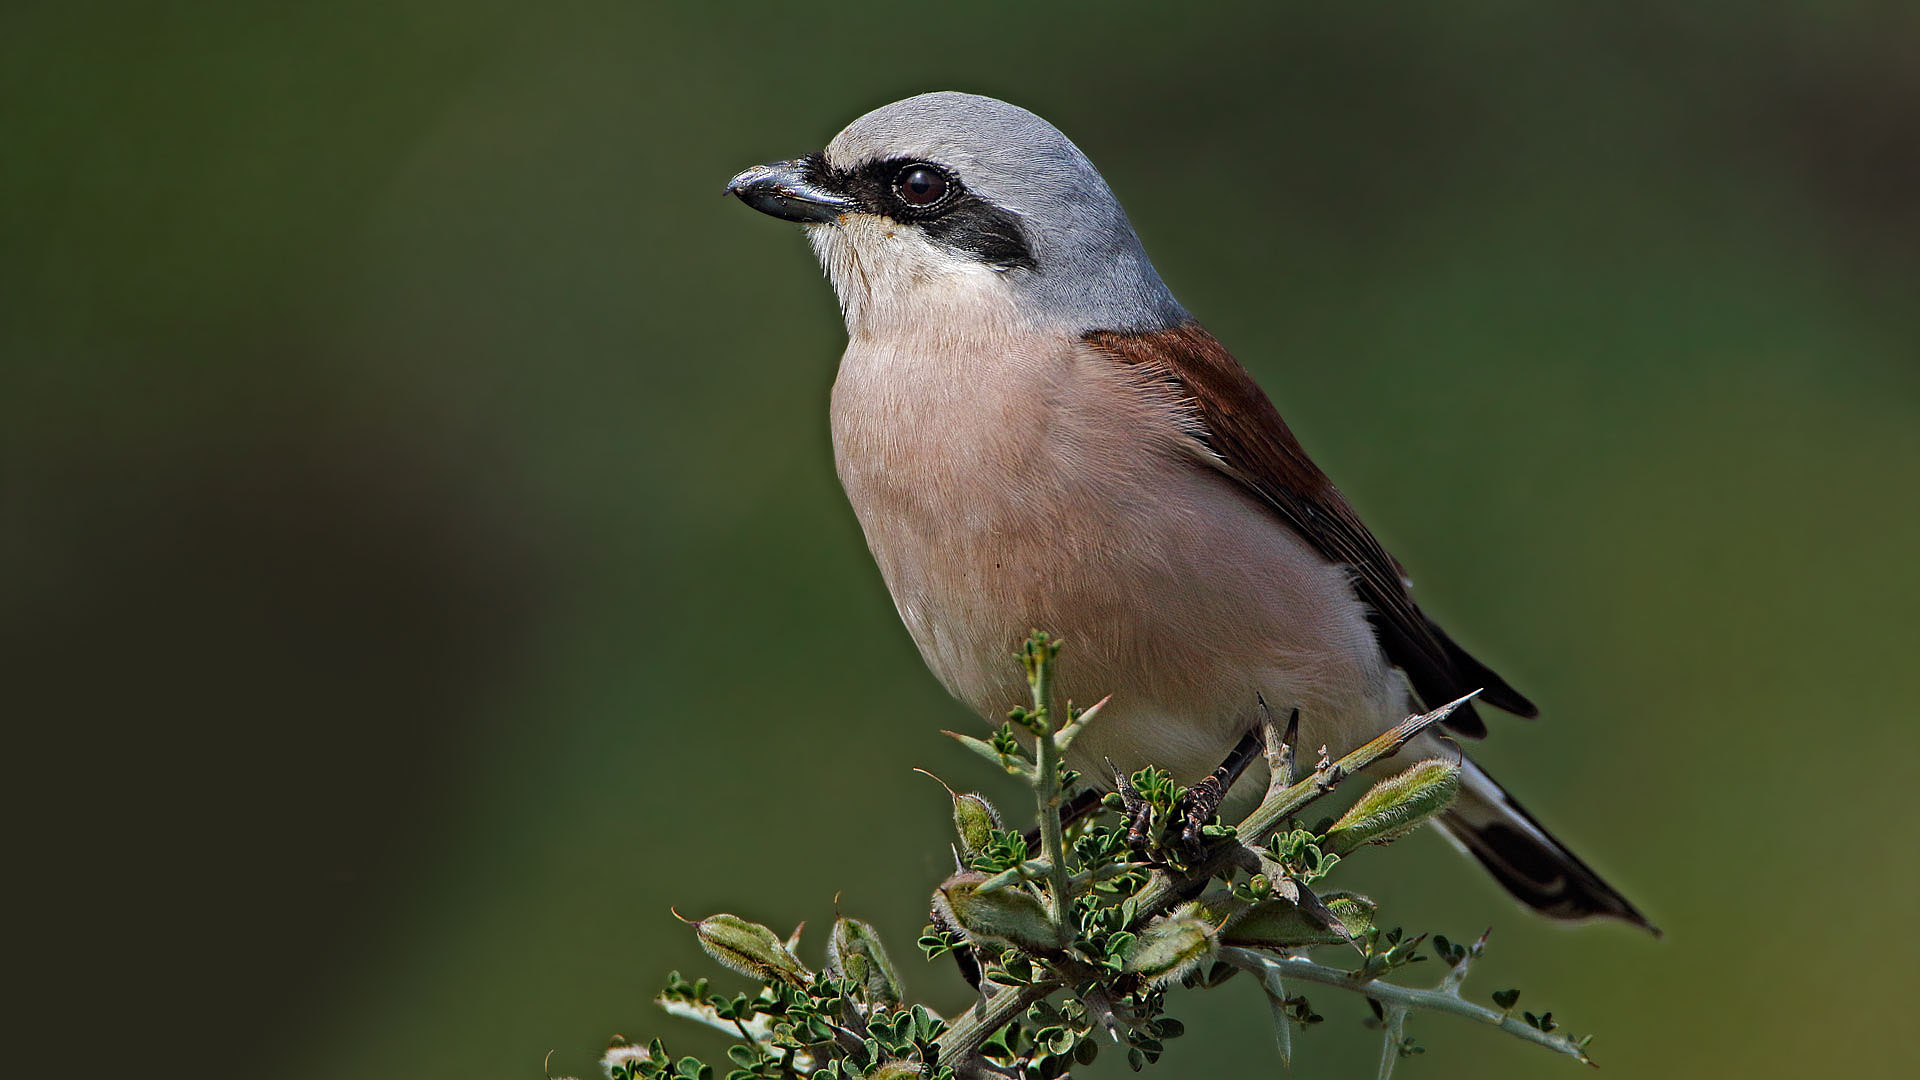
(920, 185)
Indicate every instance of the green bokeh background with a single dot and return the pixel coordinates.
(422, 562)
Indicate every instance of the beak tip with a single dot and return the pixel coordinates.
(782, 189)
(745, 178)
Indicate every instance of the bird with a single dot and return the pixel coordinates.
(1033, 433)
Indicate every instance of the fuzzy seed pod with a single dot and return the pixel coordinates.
(1393, 807)
(854, 950)
(750, 949)
(1012, 915)
(1171, 946)
(974, 820)
(1284, 924)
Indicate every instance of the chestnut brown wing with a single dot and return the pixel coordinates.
(1253, 446)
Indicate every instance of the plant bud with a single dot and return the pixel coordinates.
(1284, 924)
(1354, 911)
(1279, 924)
(1171, 946)
(1393, 807)
(1010, 915)
(750, 949)
(854, 950)
(974, 819)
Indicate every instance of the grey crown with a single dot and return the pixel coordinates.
(1092, 272)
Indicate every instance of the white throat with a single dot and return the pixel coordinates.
(893, 283)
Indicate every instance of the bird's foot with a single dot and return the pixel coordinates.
(1193, 811)
(1138, 813)
(1199, 803)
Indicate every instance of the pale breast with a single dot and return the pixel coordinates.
(1033, 483)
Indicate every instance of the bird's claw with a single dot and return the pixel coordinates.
(1137, 811)
(1191, 814)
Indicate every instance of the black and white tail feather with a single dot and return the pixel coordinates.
(1525, 858)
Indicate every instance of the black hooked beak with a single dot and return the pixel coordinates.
(782, 188)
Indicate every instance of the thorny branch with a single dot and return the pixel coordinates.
(1080, 946)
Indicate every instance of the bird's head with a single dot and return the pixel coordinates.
(951, 205)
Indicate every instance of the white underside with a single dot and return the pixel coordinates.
(1007, 479)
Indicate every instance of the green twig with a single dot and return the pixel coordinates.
(1392, 996)
(966, 1034)
(1164, 888)
(1040, 653)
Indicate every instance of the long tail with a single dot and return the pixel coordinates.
(1522, 855)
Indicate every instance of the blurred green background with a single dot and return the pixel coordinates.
(422, 562)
